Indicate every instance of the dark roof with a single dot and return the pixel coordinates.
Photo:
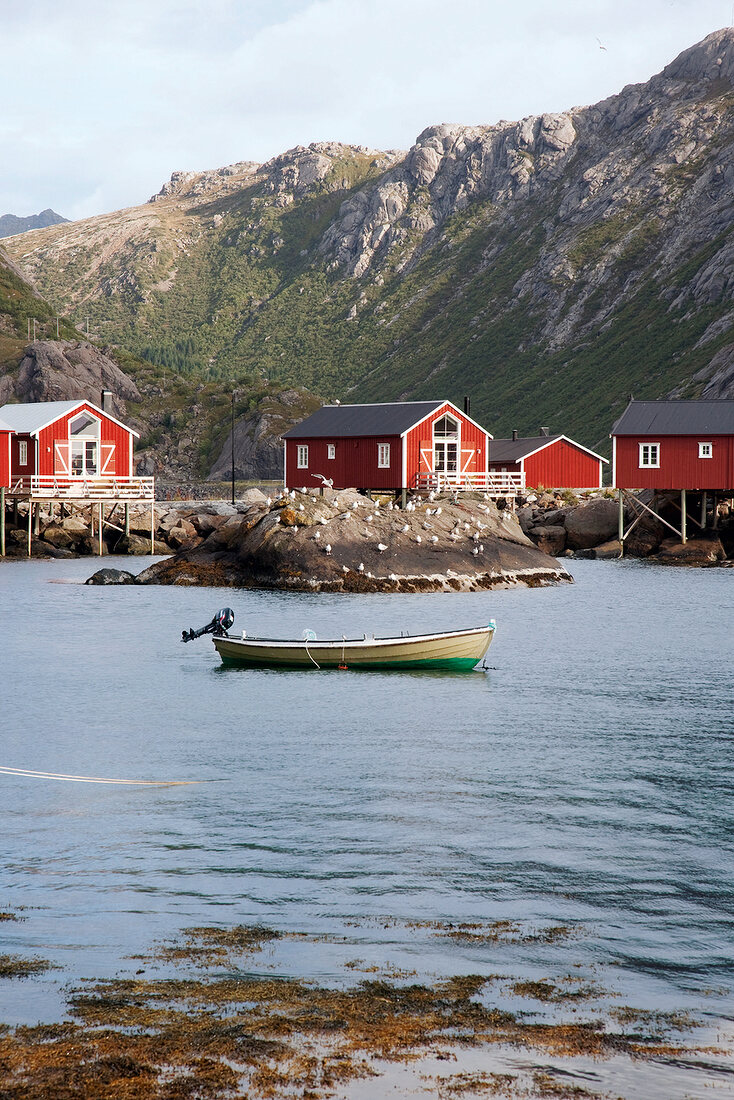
(676, 418)
(513, 450)
(335, 421)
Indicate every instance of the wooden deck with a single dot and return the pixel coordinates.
(94, 493)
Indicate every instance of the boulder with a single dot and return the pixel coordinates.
(551, 539)
(111, 576)
(183, 534)
(59, 537)
(135, 544)
(700, 551)
(591, 524)
(252, 496)
(608, 550)
(75, 525)
(204, 524)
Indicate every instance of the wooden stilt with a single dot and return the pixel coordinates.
(37, 520)
(30, 526)
(2, 521)
(620, 496)
(683, 534)
(100, 525)
(127, 519)
(715, 506)
(704, 502)
(152, 526)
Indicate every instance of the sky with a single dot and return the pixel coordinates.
(104, 99)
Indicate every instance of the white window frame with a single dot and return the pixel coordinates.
(331, 450)
(649, 456)
(705, 450)
(302, 456)
(383, 456)
(22, 452)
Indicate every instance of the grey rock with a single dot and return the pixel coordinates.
(591, 524)
(111, 576)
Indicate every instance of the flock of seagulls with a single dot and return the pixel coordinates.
(470, 531)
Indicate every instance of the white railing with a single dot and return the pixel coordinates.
(51, 487)
(495, 483)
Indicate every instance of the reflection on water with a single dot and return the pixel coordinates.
(585, 779)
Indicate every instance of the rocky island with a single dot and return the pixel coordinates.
(344, 541)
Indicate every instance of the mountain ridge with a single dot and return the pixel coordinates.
(547, 266)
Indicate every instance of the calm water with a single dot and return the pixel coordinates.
(586, 779)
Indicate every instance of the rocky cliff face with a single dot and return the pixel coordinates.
(258, 446)
(546, 266)
(68, 370)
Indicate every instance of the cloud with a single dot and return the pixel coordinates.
(108, 99)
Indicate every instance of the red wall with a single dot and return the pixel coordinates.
(15, 467)
(680, 466)
(355, 465)
(474, 443)
(5, 438)
(111, 432)
(563, 466)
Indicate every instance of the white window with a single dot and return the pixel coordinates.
(22, 453)
(650, 455)
(331, 450)
(303, 456)
(383, 456)
(705, 450)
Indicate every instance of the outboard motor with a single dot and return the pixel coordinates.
(219, 625)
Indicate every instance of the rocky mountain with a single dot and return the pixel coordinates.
(546, 267)
(10, 224)
(183, 422)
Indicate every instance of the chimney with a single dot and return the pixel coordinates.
(467, 407)
(514, 434)
(545, 431)
(107, 401)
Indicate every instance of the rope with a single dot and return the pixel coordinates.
(29, 774)
(309, 653)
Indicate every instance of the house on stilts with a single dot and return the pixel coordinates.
(73, 454)
(682, 452)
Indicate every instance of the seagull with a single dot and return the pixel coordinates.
(269, 501)
(301, 508)
(475, 551)
(355, 506)
(295, 528)
(475, 536)
(600, 45)
(393, 577)
(418, 538)
(431, 496)
(361, 567)
(438, 512)
(381, 546)
(322, 521)
(481, 547)
(293, 494)
(453, 536)
(434, 538)
(345, 569)
(327, 548)
(405, 527)
(427, 527)
(328, 482)
(369, 519)
(317, 536)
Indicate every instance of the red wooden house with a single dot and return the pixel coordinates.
(551, 461)
(673, 448)
(5, 434)
(59, 441)
(674, 445)
(399, 445)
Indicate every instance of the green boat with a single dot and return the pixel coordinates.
(451, 650)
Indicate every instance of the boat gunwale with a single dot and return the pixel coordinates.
(341, 643)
